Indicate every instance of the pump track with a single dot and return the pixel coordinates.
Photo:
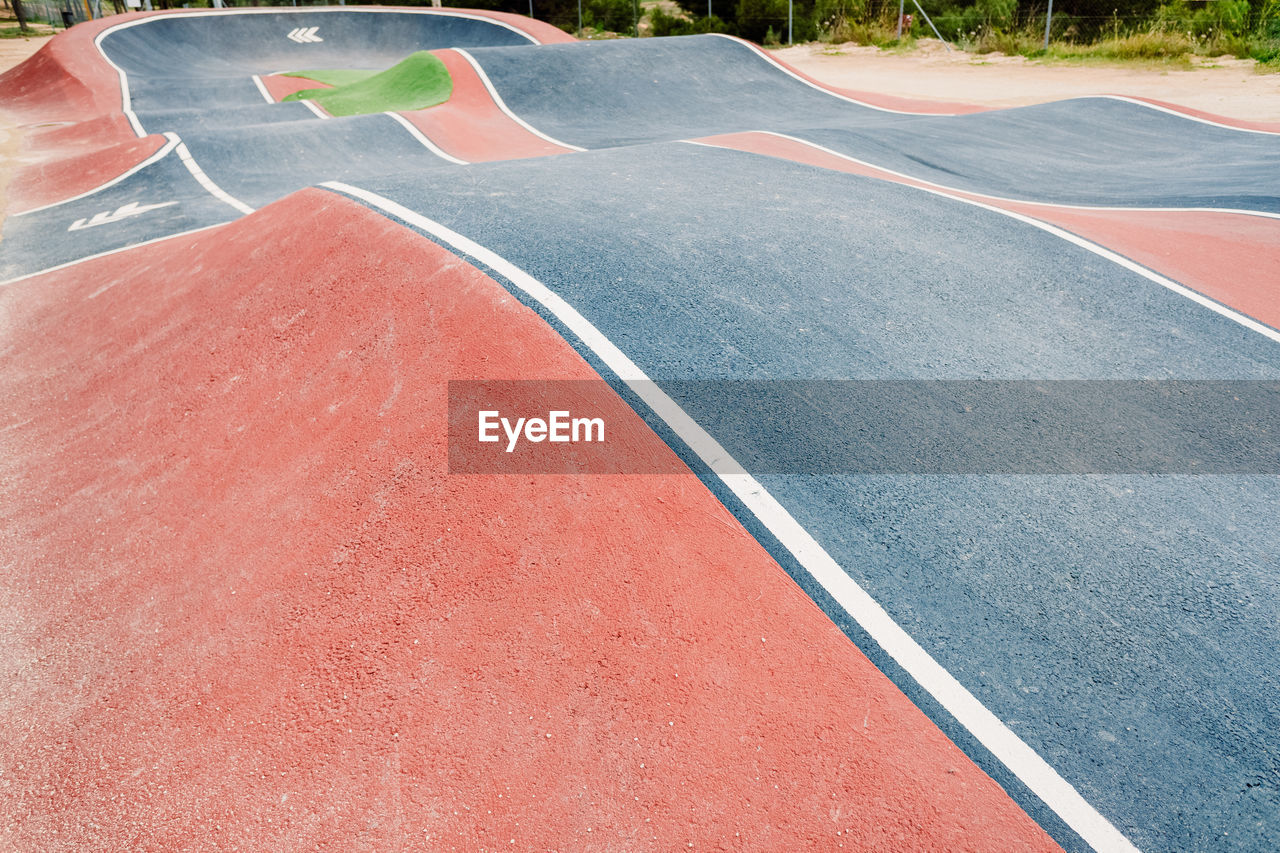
(248, 604)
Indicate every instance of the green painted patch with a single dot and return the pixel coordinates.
(417, 82)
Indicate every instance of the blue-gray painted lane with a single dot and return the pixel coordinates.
(159, 200)
(200, 46)
(1124, 626)
(287, 157)
(188, 73)
(806, 270)
(1088, 151)
(1083, 151)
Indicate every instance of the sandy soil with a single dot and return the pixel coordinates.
(13, 51)
(1224, 86)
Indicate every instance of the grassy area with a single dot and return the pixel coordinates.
(1167, 49)
(1173, 43)
(33, 31)
(1150, 49)
(415, 83)
(1173, 34)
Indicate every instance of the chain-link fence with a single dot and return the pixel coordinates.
(1117, 28)
(54, 13)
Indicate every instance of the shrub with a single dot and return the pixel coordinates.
(616, 16)
(662, 24)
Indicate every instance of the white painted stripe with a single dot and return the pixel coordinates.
(127, 248)
(262, 87)
(204, 180)
(1187, 116)
(160, 153)
(126, 102)
(759, 51)
(1150, 275)
(422, 137)
(1022, 760)
(314, 107)
(943, 187)
(497, 99)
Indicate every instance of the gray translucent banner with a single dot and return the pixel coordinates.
(893, 427)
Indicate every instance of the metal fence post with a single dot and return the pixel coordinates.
(901, 9)
(1048, 21)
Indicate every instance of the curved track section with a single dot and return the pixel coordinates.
(237, 562)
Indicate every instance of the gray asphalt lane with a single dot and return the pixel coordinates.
(1124, 626)
(1082, 151)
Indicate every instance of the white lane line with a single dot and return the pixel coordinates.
(422, 137)
(944, 188)
(1150, 275)
(117, 251)
(262, 87)
(1007, 747)
(126, 101)
(1188, 117)
(314, 107)
(497, 99)
(204, 180)
(170, 144)
(824, 90)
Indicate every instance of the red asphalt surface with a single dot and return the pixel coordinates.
(50, 180)
(246, 606)
(281, 87)
(470, 126)
(1229, 257)
(1243, 124)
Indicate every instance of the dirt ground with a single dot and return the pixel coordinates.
(1224, 86)
(13, 51)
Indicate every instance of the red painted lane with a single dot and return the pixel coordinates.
(245, 606)
(470, 126)
(1267, 126)
(52, 180)
(1229, 257)
(545, 33)
(68, 80)
(280, 87)
(75, 136)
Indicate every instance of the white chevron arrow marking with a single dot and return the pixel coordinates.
(304, 35)
(124, 212)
